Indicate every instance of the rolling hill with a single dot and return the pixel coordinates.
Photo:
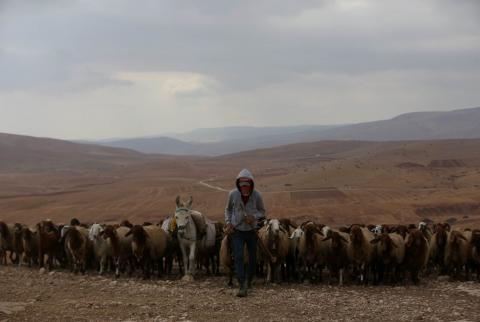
(457, 124)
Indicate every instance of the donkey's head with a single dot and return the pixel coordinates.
(182, 214)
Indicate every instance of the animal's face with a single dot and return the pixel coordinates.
(109, 232)
(182, 218)
(385, 244)
(415, 238)
(139, 240)
(95, 232)
(356, 235)
(273, 227)
(297, 234)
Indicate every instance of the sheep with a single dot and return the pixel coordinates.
(149, 244)
(339, 255)
(416, 253)
(17, 243)
(102, 249)
(456, 252)
(30, 240)
(426, 231)
(390, 255)
(49, 242)
(312, 251)
(116, 246)
(437, 247)
(290, 266)
(294, 238)
(475, 252)
(78, 246)
(275, 239)
(6, 242)
(362, 251)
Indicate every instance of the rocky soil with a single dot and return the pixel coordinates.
(28, 295)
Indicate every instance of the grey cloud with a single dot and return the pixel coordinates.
(247, 47)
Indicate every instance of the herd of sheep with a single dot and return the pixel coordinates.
(288, 252)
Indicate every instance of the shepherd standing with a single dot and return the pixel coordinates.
(243, 212)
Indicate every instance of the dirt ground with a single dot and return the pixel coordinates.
(27, 295)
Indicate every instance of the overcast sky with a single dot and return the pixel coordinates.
(98, 69)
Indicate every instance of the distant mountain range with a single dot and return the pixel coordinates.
(457, 124)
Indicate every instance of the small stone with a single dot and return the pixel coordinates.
(42, 270)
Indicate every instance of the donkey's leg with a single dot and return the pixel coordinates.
(191, 258)
(185, 259)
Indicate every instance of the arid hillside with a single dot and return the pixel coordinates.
(334, 182)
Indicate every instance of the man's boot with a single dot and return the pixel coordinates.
(242, 292)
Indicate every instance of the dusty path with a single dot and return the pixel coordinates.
(27, 295)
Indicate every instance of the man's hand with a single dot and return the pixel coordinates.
(250, 220)
(228, 229)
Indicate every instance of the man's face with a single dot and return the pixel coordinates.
(245, 187)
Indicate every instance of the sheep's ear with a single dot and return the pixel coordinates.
(129, 233)
(462, 237)
(394, 245)
(374, 241)
(327, 238)
(283, 229)
(344, 239)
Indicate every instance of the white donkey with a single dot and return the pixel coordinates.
(189, 236)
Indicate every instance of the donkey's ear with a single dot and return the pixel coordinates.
(189, 202)
(177, 201)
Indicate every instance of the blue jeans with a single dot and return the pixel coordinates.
(239, 239)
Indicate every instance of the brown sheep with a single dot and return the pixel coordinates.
(363, 252)
(456, 252)
(79, 247)
(416, 253)
(437, 247)
(312, 252)
(30, 242)
(49, 242)
(475, 252)
(275, 239)
(6, 242)
(120, 247)
(17, 243)
(149, 245)
(391, 254)
(339, 255)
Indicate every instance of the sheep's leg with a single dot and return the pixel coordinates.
(102, 265)
(340, 277)
(269, 272)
